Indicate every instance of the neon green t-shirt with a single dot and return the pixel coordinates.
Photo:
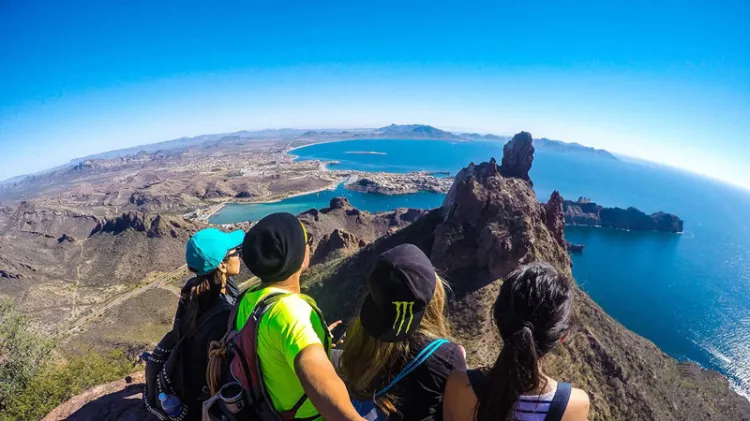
(285, 330)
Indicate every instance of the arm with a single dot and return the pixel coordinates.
(323, 386)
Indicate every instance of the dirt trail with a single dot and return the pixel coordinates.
(99, 311)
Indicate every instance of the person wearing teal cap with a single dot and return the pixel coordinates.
(205, 304)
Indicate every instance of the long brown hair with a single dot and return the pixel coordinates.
(532, 314)
(369, 364)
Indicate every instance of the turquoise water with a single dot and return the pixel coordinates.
(690, 293)
(370, 202)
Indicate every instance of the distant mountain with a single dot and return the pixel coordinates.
(394, 131)
(415, 130)
(490, 137)
(566, 147)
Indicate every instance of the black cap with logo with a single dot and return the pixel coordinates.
(400, 286)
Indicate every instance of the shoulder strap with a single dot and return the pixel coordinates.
(231, 322)
(477, 380)
(559, 402)
(415, 362)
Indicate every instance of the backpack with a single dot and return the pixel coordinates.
(165, 370)
(368, 409)
(234, 376)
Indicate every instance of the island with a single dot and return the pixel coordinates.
(392, 184)
(365, 153)
(587, 213)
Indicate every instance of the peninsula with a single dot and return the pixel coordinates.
(587, 213)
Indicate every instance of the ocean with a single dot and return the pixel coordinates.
(689, 293)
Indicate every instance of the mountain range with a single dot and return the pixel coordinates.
(394, 131)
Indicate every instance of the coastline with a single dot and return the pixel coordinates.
(215, 208)
(317, 143)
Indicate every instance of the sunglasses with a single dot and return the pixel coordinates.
(236, 252)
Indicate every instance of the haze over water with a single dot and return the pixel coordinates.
(689, 293)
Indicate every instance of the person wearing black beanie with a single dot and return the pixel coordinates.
(293, 341)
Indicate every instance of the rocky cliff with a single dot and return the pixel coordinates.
(340, 229)
(586, 212)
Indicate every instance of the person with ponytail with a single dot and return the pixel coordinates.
(532, 314)
(206, 301)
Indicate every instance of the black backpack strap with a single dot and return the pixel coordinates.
(559, 402)
(231, 322)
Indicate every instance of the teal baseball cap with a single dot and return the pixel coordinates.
(207, 248)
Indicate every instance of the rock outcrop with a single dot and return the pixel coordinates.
(518, 156)
(121, 400)
(554, 217)
(586, 212)
(9, 275)
(341, 229)
(339, 242)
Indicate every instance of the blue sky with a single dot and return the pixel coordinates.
(669, 82)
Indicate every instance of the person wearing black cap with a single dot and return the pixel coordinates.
(292, 338)
(401, 324)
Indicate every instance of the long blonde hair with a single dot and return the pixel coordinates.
(369, 364)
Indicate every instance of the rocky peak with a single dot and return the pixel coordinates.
(491, 224)
(554, 217)
(339, 203)
(128, 220)
(518, 155)
(337, 242)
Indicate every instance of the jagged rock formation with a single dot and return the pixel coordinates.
(471, 238)
(518, 155)
(586, 212)
(554, 217)
(339, 242)
(355, 228)
(154, 226)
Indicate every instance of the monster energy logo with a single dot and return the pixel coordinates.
(402, 309)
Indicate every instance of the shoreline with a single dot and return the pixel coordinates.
(219, 206)
(318, 143)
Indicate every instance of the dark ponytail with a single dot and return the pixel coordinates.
(198, 295)
(532, 314)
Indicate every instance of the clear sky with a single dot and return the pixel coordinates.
(667, 81)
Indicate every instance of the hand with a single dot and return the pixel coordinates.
(333, 326)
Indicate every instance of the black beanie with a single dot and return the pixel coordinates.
(274, 248)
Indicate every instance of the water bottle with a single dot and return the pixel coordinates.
(170, 404)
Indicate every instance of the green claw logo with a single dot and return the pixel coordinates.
(402, 309)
